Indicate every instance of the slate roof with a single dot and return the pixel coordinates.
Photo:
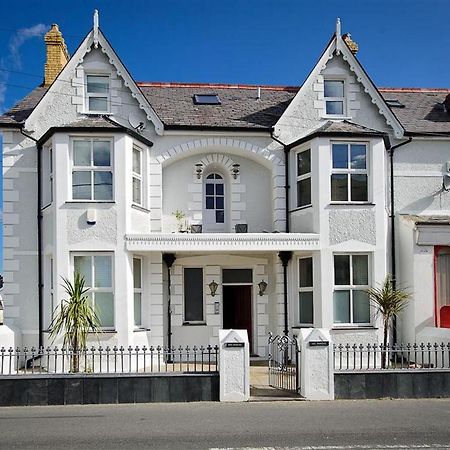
(241, 109)
(423, 111)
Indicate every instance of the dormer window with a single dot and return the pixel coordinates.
(334, 97)
(97, 93)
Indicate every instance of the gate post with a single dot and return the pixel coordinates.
(234, 366)
(316, 364)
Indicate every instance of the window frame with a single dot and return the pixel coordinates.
(137, 290)
(304, 289)
(210, 225)
(349, 172)
(92, 169)
(138, 176)
(93, 290)
(351, 288)
(203, 320)
(336, 99)
(303, 177)
(89, 95)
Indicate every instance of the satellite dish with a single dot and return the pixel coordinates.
(446, 182)
(136, 122)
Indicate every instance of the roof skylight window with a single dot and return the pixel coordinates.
(206, 99)
(394, 103)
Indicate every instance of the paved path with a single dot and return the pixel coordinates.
(373, 424)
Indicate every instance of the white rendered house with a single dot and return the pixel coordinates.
(282, 196)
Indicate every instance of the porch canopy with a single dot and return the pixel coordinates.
(219, 242)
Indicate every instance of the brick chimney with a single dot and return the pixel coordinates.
(57, 54)
(352, 45)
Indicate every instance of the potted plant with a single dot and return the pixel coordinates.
(182, 224)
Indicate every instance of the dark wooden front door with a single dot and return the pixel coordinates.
(237, 309)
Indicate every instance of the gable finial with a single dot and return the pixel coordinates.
(338, 27)
(95, 28)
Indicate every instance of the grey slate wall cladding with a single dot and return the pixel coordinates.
(373, 385)
(103, 389)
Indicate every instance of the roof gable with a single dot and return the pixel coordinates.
(95, 39)
(305, 106)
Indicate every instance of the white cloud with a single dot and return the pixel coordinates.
(13, 60)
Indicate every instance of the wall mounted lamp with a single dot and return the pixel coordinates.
(235, 170)
(213, 288)
(262, 287)
(199, 170)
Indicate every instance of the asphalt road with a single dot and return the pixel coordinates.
(282, 425)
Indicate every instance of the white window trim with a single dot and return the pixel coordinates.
(92, 289)
(215, 227)
(304, 289)
(302, 177)
(351, 288)
(205, 286)
(138, 176)
(336, 99)
(92, 168)
(137, 290)
(348, 171)
(88, 95)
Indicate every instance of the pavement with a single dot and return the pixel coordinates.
(280, 425)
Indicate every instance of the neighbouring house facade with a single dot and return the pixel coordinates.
(194, 207)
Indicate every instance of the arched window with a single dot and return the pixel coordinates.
(214, 203)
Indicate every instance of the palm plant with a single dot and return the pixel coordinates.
(389, 301)
(75, 318)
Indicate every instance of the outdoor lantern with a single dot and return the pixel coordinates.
(262, 287)
(199, 170)
(235, 170)
(213, 288)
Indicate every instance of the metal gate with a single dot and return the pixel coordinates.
(284, 363)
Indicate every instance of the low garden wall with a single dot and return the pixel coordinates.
(66, 389)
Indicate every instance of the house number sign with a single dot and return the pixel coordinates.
(319, 343)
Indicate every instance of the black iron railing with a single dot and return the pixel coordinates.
(116, 359)
(363, 357)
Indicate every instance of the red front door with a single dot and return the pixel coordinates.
(237, 309)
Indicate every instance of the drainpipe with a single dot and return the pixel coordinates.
(286, 175)
(285, 257)
(39, 243)
(169, 259)
(392, 217)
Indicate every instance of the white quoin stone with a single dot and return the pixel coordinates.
(234, 366)
(316, 362)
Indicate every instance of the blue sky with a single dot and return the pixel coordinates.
(402, 42)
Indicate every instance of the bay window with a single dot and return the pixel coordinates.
(349, 177)
(304, 178)
(137, 291)
(137, 176)
(92, 175)
(305, 291)
(351, 280)
(97, 270)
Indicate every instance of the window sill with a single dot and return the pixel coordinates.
(336, 117)
(299, 327)
(140, 329)
(71, 202)
(194, 324)
(351, 204)
(97, 113)
(300, 208)
(139, 208)
(353, 327)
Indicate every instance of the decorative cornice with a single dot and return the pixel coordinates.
(222, 242)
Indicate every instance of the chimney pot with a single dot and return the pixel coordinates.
(352, 45)
(57, 54)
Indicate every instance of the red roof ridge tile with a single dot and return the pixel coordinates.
(412, 89)
(215, 85)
